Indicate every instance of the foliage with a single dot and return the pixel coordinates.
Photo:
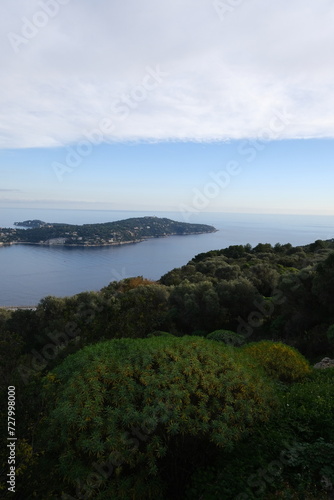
(11, 345)
(299, 470)
(264, 278)
(291, 456)
(323, 285)
(227, 336)
(280, 362)
(309, 406)
(289, 288)
(138, 311)
(148, 403)
(330, 334)
(128, 230)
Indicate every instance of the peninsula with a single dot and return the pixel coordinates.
(120, 232)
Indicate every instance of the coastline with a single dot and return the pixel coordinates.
(15, 308)
(110, 244)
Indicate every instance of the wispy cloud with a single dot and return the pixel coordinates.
(64, 71)
(10, 190)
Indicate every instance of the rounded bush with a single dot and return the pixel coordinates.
(134, 404)
(280, 361)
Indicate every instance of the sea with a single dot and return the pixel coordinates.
(29, 273)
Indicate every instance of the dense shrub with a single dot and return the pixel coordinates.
(289, 457)
(279, 361)
(153, 407)
(309, 406)
(221, 289)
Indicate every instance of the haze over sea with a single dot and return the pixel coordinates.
(29, 273)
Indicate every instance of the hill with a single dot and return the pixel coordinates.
(185, 388)
(131, 230)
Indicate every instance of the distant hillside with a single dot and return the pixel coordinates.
(31, 223)
(109, 233)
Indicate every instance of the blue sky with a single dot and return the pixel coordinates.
(140, 106)
(288, 176)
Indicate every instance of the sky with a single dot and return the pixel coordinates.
(189, 105)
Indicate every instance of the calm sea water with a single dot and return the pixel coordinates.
(29, 273)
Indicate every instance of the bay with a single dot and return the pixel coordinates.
(29, 273)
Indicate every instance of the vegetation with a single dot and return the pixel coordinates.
(32, 223)
(198, 386)
(160, 404)
(281, 362)
(109, 233)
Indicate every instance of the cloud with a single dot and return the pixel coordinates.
(10, 190)
(68, 66)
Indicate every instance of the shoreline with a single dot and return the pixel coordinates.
(90, 245)
(14, 308)
(68, 244)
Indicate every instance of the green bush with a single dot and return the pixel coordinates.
(309, 406)
(289, 457)
(280, 361)
(154, 407)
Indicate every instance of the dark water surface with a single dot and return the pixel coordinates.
(29, 273)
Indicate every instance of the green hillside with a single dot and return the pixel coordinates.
(109, 233)
(198, 386)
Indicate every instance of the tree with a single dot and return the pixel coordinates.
(323, 284)
(264, 277)
(263, 248)
(138, 311)
(235, 251)
(11, 346)
(194, 306)
(237, 298)
(300, 309)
